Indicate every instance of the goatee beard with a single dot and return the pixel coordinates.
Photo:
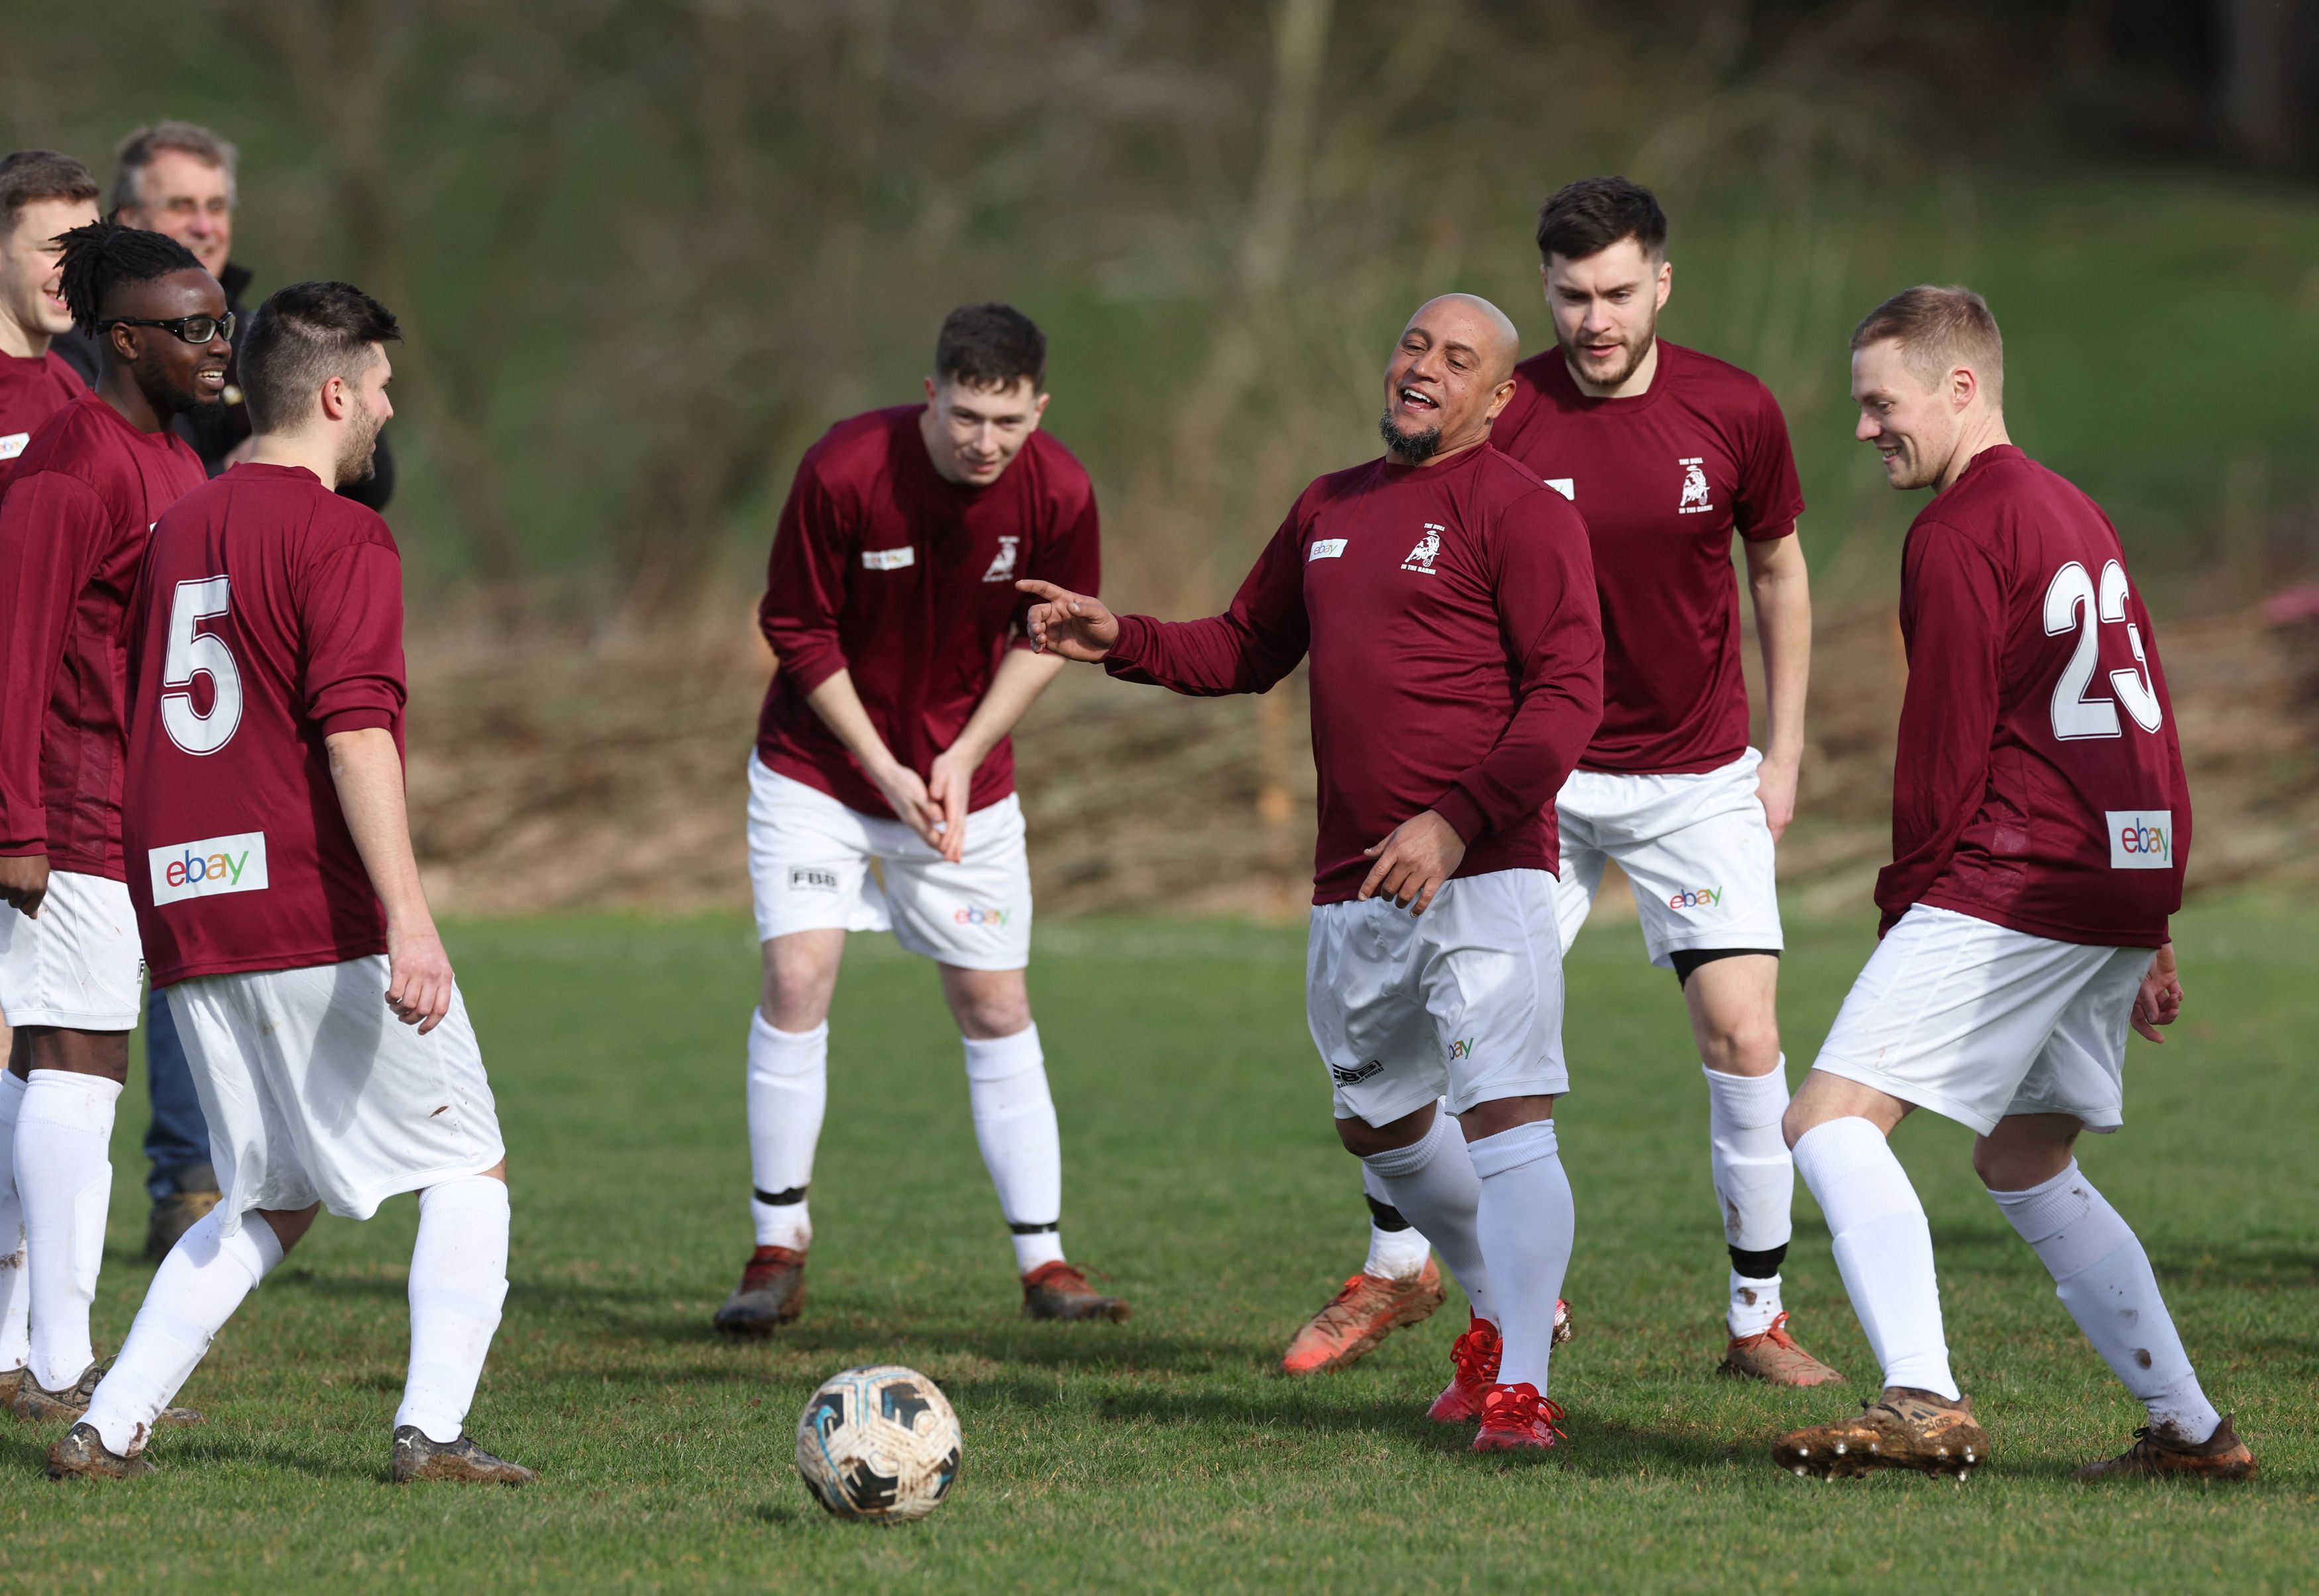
(1414, 448)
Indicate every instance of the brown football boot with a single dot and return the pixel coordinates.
(772, 1294)
(1059, 1291)
(2222, 1456)
(41, 1405)
(82, 1453)
(1903, 1429)
(418, 1459)
(1359, 1318)
(1774, 1358)
(9, 1380)
(194, 1192)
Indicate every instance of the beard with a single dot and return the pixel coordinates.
(1414, 448)
(1633, 354)
(359, 460)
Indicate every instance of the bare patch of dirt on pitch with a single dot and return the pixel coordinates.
(608, 771)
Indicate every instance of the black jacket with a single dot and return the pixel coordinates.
(218, 434)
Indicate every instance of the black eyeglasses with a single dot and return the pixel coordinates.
(194, 329)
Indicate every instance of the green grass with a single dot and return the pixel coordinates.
(1165, 1454)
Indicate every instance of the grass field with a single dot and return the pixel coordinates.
(1166, 1454)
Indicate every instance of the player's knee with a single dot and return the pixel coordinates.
(1746, 1046)
(1794, 1122)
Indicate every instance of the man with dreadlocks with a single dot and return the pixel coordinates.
(73, 531)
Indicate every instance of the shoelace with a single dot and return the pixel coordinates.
(1521, 1406)
(1475, 1355)
(1778, 1334)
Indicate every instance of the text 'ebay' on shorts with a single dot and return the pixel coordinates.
(1976, 1020)
(1463, 1001)
(809, 870)
(79, 965)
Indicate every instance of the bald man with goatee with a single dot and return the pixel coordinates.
(1446, 598)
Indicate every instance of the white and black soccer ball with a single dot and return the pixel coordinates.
(878, 1443)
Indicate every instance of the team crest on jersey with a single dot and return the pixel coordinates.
(1695, 489)
(1002, 564)
(1420, 558)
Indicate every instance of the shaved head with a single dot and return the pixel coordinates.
(1452, 373)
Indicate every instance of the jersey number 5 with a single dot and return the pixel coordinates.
(195, 653)
(2072, 603)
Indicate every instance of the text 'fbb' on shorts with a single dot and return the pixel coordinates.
(809, 867)
(79, 965)
(1463, 1000)
(1976, 1020)
(1696, 850)
(315, 1093)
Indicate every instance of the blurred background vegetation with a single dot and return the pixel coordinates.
(646, 250)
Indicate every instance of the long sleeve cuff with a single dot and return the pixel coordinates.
(1465, 816)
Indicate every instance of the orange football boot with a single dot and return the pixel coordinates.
(1359, 1318)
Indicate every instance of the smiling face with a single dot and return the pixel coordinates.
(176, 376)
(31, 270)
(1914, 425)
(972, 432)
(1449, 377)
(190, 200)
(1606, 311)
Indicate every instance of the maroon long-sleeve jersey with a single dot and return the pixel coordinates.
(33, 388)
(1664, 480)
(2039, 780)
(73, 527)
(1457, 648)
(269, 616)
(883, 569)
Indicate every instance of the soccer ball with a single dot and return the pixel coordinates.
(878, 1443)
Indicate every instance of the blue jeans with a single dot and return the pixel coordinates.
(179, 1135)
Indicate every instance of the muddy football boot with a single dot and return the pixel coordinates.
(1359, 1318)
(1059, 1291)
(418, 1459)
(195, 1193)
(82, 1453)
(1515, 1418)
(2222, 1456)
(1775, 1358)
(1902, 1428)
(41, 1405)
(772, 1294)
(9, 1380)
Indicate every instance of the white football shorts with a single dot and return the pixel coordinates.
(809, 866)
(79, 965)
(1696, 850)
(315, 1093)
(1976, 1020)
(1464, 1000)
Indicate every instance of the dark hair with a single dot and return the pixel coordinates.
(27, 175)
(991, 346)
(302, 337)
(1939, 329)
(103, 255)
(1587, 217)
(137, 152)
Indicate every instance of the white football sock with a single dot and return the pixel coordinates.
(1755, 1182)
(1526, 1220)
(1883, 1247)
(1432, 1182)
(15, 1284)
(64, 1180)
(1015, 1125)
(458, 1284)
(788, 1089)
(196, 1291)
(2103, 1277)
(1393, 1255)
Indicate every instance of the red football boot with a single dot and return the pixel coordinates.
(1474, 1356)
(1514, 1417)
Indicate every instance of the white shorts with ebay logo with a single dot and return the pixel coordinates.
(810, 866)
(1696, 850)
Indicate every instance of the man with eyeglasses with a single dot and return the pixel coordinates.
(179, 179)
(73, 531)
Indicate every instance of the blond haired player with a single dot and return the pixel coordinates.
(2040, 824)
